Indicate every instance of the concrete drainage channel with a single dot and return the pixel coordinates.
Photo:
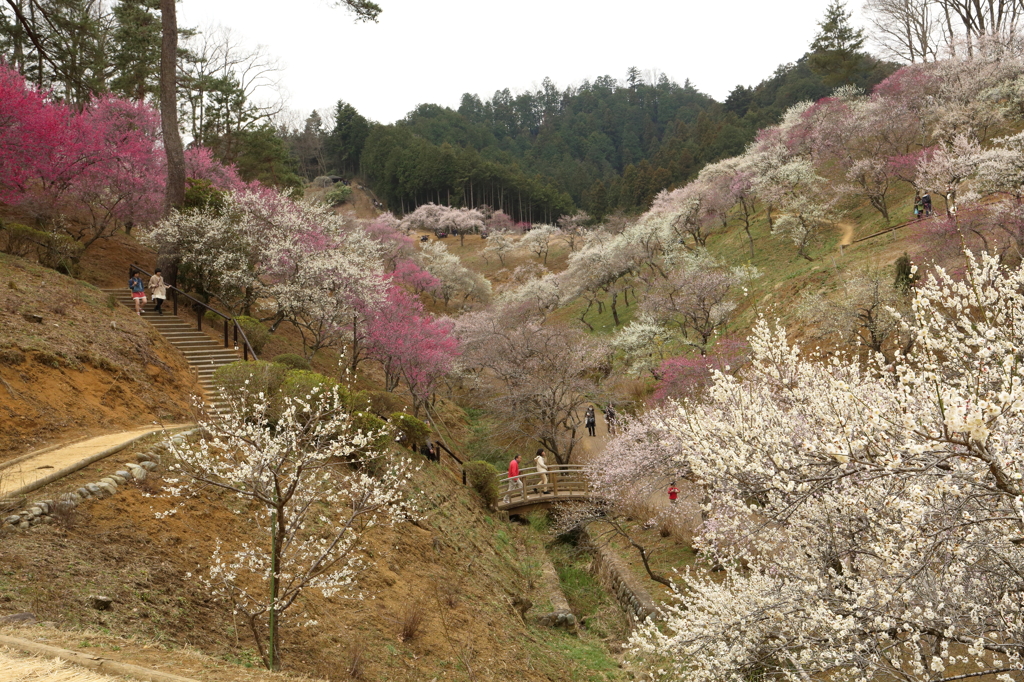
(44, 511)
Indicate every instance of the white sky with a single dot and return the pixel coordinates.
(432, 51)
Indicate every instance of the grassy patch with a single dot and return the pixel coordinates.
(595, 609)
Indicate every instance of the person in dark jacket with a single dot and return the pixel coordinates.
(610, 419)
(591, 421)
(138, 289)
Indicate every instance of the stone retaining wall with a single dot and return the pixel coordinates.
(44, 511)
(616, 577)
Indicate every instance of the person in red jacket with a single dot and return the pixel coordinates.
(514, 482)
(673, 492)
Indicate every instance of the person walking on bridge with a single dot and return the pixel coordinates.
(514, 482)
(542, 469)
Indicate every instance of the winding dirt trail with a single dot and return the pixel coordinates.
(847, 237)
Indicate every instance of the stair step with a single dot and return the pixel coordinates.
(200, 344)
(204, 353)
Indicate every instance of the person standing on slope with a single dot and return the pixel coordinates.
(138, 290)
(514, 483)
(591, 421)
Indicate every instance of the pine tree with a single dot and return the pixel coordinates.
(836, 51)
(136, 54)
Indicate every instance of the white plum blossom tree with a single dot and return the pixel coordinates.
(538, 241)
(868, 521)
(303, 475)
(455, 279)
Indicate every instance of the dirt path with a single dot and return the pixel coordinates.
(591, 446)
(27, 473)
(847, 237)
(24, 668)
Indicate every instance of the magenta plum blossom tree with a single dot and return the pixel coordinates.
(200, 165)
(686, 376)
(29, 126)
(411, 345)
(302, 480)
(85, 172)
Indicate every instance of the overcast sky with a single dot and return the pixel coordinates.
(435, 50)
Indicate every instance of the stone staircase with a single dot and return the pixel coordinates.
(203, 353)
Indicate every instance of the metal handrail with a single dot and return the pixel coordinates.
(238, 331)
(458, 460)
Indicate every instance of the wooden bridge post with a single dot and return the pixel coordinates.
(554, 481)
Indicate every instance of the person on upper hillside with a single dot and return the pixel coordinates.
(138, 290)
(158, 291)
(610, 419)
(514, 482)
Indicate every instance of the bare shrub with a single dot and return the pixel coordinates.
(355, 665)
(410, 621)
(63, 511)
(447, 593)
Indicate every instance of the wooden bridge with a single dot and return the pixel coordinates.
(535, 490)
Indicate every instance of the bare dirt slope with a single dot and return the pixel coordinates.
(72, 364)
(458, 569)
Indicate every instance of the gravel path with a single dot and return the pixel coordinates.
(25, 474)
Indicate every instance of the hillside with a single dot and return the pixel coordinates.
(447, 581)
(73, 363)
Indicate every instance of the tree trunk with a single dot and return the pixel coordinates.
(615, 313)
(583, 315)
(175, 195)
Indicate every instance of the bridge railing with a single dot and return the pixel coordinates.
(560, 480)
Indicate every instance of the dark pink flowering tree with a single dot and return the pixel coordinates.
(28, 126)
(411, 345)
(687, 376)
(200, 165)
(86, 172)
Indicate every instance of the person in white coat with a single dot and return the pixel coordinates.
(158, 291)
(542, 469)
